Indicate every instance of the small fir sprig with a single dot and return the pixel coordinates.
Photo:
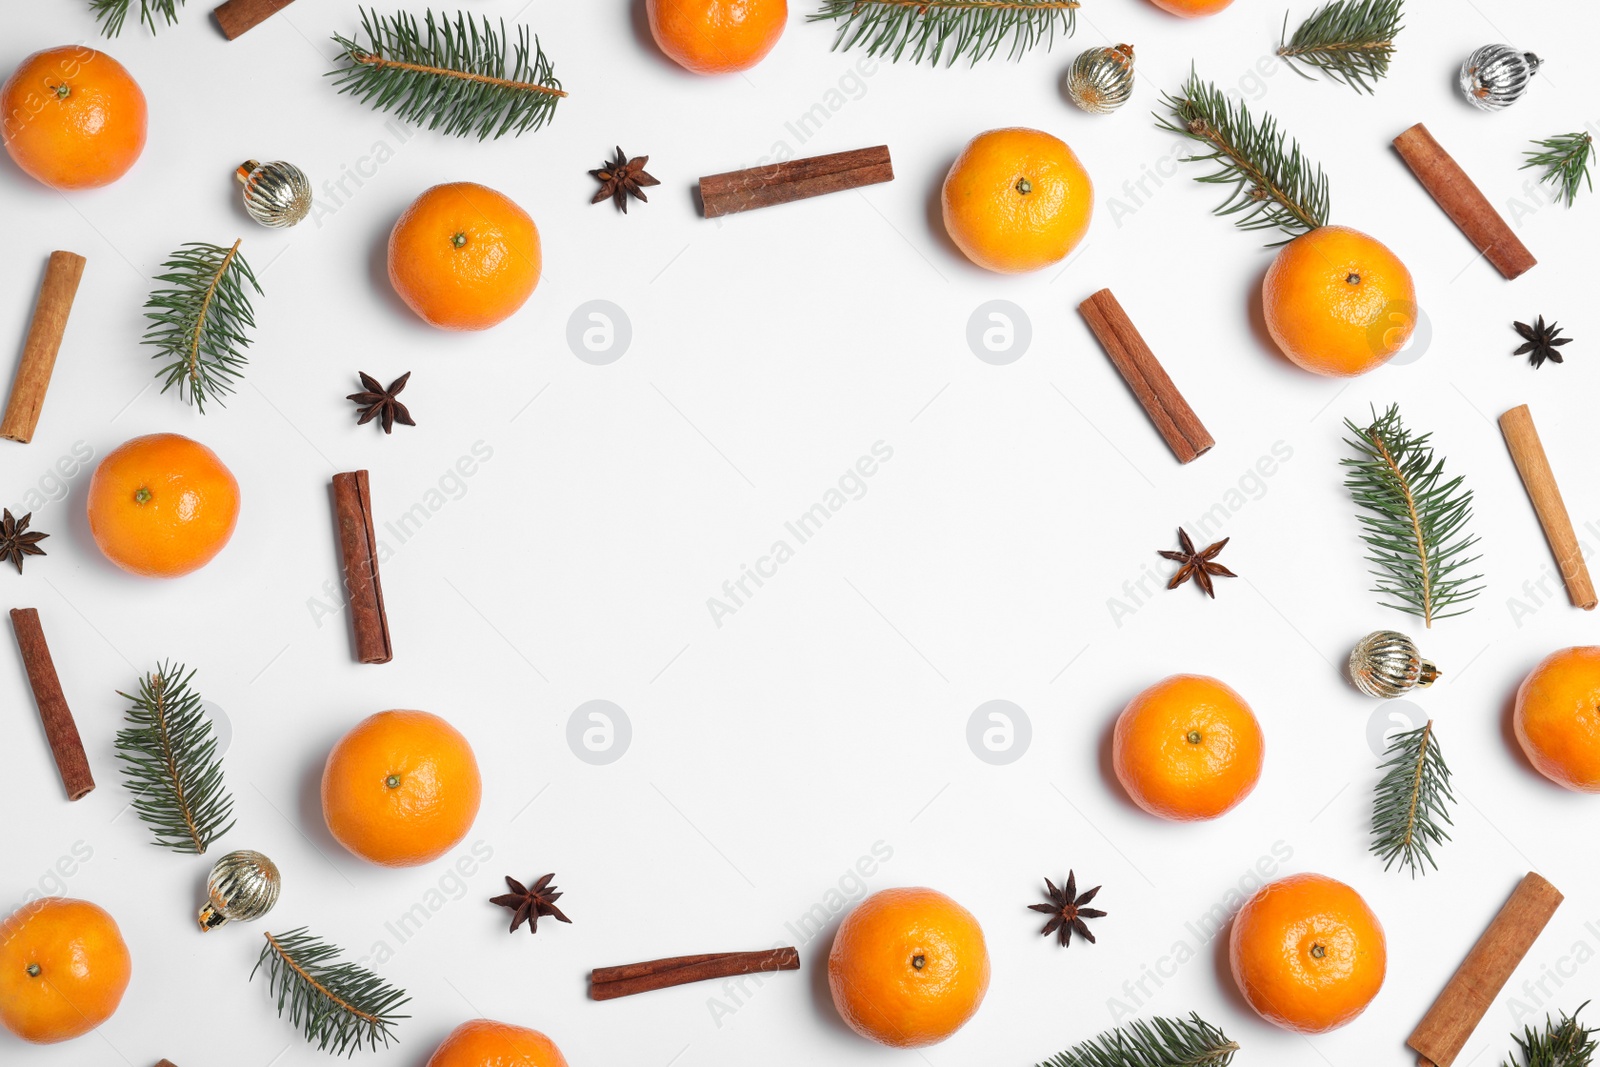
(1190, 1042)
(1274, 185)
(947, 29)
(199, 326)
(112, 14)
(1565, 159)
(339, 1007)
(1411, 807)
(454, 77)
(1415, 519)
(171, 764)
(1562, 1043)
(1351, 41)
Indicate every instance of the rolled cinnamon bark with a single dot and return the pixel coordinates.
(59, 728)
(608, 983)
(795, 179)
(39, 351)
(1467, 207)
(1527, 452)
(1444, 1031)
(358, 542)
(236, 17)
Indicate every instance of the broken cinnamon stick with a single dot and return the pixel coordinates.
(796, 179)
(609, 983)
(1466, 205)
(352, 503)
(50, 311)
(59, 728)
(236, 17)
(1444, 1031)
(1174, 419)
(1527, 452)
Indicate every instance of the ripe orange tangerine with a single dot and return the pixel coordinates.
(1557, 718)
(73, 118)
(464, 257)
(1017, 200)
(717, 36)
(1338, 302)
(63, 969)
(162, 505)
(1188, 748)
(1192, 9)
(485, 1043)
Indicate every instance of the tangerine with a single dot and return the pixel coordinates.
(1192, 9)
(1188, 748)
(485, 1043)
(401, 788)
(717, 36)
(162, 505)
(1307, 953)
(908, 968)
(1017, 200)
(74, 118)
(63, 969)
(1557, 718)
(1338, 302)
(464, 257)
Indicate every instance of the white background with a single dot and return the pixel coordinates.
(769, 352)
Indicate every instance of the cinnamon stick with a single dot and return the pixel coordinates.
(1444, 1031)
(609, 983)
(50, 311)
(59, 728)
(796, 179)
(1527, 452)
(352, 503)
(1174, 419)
(1466, 205)
(236, 17)
(166, 1063)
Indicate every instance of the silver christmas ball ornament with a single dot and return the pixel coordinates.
(1100, 80)
(1386, 664)
(1496, 76)
(275, 194)
(243, 885)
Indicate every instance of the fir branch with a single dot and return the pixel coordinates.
(171, 764)
(1409, 810)
(451, 77)
(1351, 41)
(1415, 519)
(1566, 1043)
(1274, 185)
(947, 29)
(338, 1006)
(112, 14)
(199, 324)
(1190, 1042)
(1566, 159)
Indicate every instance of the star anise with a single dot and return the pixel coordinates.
(621, 178)
(375, 401)
(1197, 565)
(1067, 912)
(531, 903)
(1542, 341)
(16, 540)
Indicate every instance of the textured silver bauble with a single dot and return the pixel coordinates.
(1101, 79)
(243, 885)
(1386, 664)
(1496, 76)
(275, 194)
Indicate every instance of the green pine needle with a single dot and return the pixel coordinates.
(1566, 1043)
(199, 324)
(947, 29)
(1274, 185)
(111, 14)
(338, 1006)
(451, 77)
(1415, 519)
(1410, 809)
(1351, 41)
(1190, 1042)
(171, 765)
(1566, 159)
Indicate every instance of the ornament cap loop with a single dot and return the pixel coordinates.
(247, 168)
